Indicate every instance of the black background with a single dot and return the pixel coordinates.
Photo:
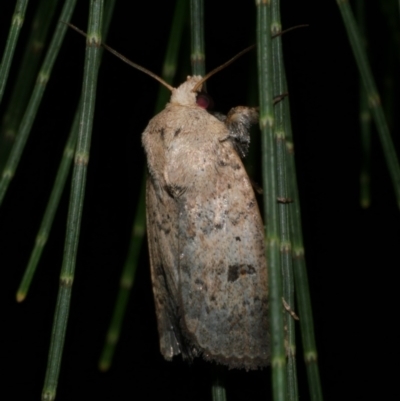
(352, 254)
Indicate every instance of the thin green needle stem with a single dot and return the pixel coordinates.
(218, 391)
(310, 353)
(174, 43)
(58, 187)
(300, 273)
(92, 58)
(271, 213)
(298, 266)
(373, 95)
(34, 102)
(138, 230)
(284, 205)
(26, 76)
(126, 281)
(52, 205)
(198, 55)
(15, 28)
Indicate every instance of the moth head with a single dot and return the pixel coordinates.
(190, 94)
(184, 94)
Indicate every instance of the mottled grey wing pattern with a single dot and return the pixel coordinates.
(222, 268)
(162, 235)
(206, 242)
(162, 231)
(223, 277)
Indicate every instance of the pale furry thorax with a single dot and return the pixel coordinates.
(183, 94)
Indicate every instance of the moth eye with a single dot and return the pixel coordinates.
(204, 101)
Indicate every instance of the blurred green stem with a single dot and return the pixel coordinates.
(271, 213)
(26, 77)
(92, 58)
(372, 94)
(16, 25)
(34, 102)
(198, 56)
(284, 203)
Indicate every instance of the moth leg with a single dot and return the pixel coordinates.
(174, 189)
(279, 98)
(284, 200)
(257, 188)
(289, 309)
(238, 121)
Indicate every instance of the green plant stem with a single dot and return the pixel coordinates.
(51, 208)
(16, 25)
(373, 96)
(138, 230)
(92, 58)
(170, 63)
(271, 213)
(299, 265)
(26, 77)
(34, 102)
(198, 55)
(391, 59)
(126, 281)
(58, 187)
(218, 391)
(284, 205)
(305, 311)
(300, 274)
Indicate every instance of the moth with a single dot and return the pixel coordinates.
(204, 228)
(205, 233)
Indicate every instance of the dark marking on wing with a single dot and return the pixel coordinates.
(251, 204)
(235, 271)
(176, 190)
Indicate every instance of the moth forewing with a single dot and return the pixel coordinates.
(206, 236)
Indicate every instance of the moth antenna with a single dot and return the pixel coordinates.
(290, 29)
(221, 67)
(123, 58)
